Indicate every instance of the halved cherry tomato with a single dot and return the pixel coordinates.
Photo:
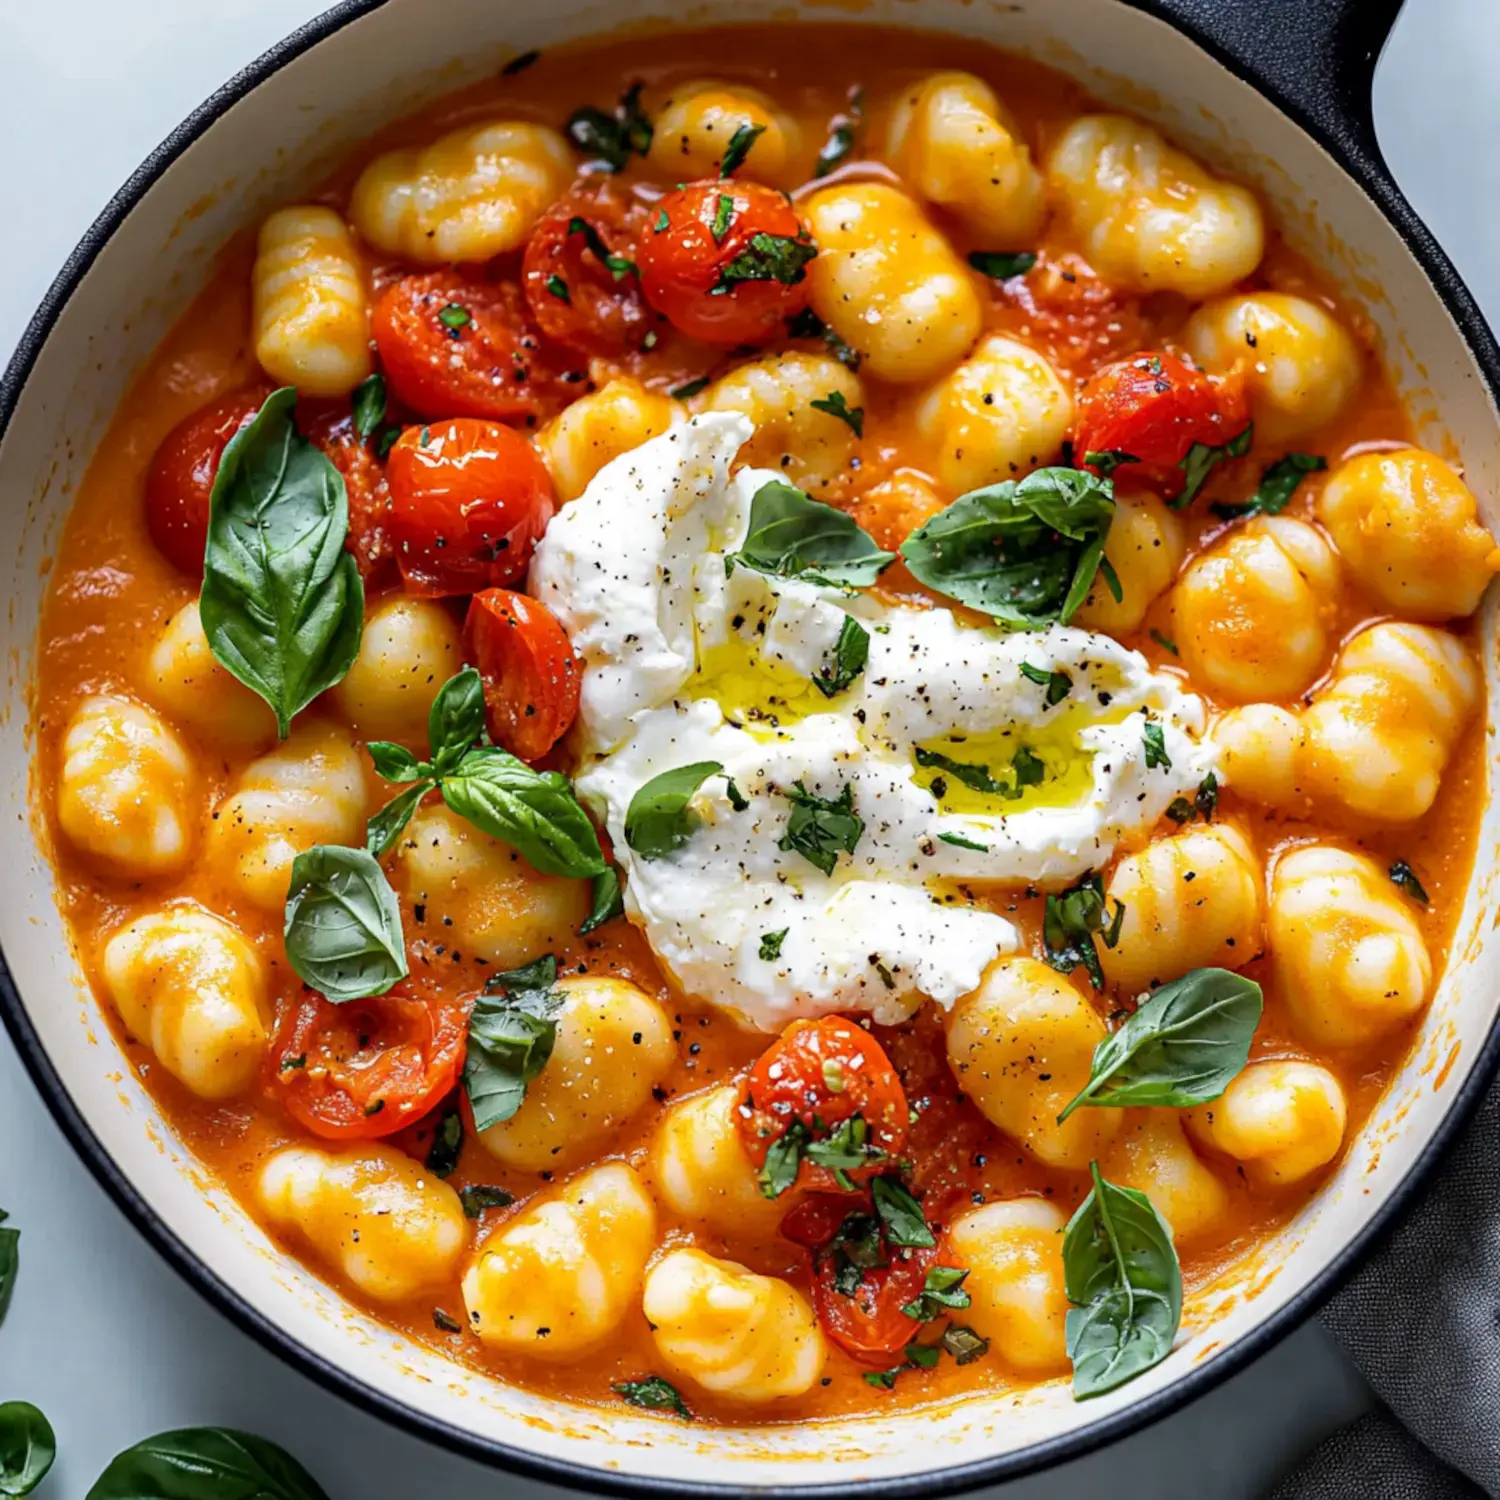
(531, 678)
(469, 501)
(869, 1324)
(368, 1067)
(726, 262)
(181, 477)
(332, 429)
(816, 1075)
(454, 346)
(1154, 407)
(576, 298)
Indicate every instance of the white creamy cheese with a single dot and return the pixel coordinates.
(685, 661)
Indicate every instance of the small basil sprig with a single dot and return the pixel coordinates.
(27, 1447)
(1203, 458)
(10, 1263)
(1182, 1047)
(1070, 920)
(205, 1463)
(343, 925)
(282, 602)
(791, 535)
(1024, 551)
(1121, 1274)
(512, 1030)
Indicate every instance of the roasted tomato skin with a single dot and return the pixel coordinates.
(683, 263)
(484, 361)
(817, 1074)
(331, 427)
(181, 477)
(869, 1325)
(369, 1067)
(1155, 406)
(469, 502)
(531, 676)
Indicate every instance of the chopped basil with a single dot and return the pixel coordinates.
(843, 130)
(27, 1447)
(808, 325)
(883, 1380)
(655, 1394)
(960, 842)
(205, 1463)
(293, 1064)
(901, 1214)
(836, 406)
(387, 441)
(723, 217)
(1165, 642)
(618, 266)
(768, 257)
(478, 1197)
(689, 389)
(791, 535)
(1001, 265)
(10, 1263)
(608, 902)
(558, 288)
(454, 316)
(1070, 920)
(1156, 748)
(739, 148)
(659, 819)
(368, 402)
(519, 64)
(1206, 798)
(737, 799)
(608, 140)
(846, 1148)
(1202, 459)
(512, 1030)
(943, 1290)
(770, 944)
(445, 1322)
(447, 1142)
(926, 1356)
(1058, 684)
(1105, 462)
(964, 1344)
(1026, 769)
(850, 653)
(1404, 878)
(1180, 810)
(1277, 486)
(783, 1161)
(663, 221)
(820, 830)
(343, 924)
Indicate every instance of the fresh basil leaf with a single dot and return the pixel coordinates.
(768, 257)
(512, 1030)
(964, 1345)
(836, 405)
(737, 799)
(655, 1394)
(744, 137)
(1001, 265)
(901, 1214)
(960, 842)
(1401, 874)
(770, 944)
(27, 1447)
(395, 762)
(1156, 748)
(1024, 551)
(1182, 1047)
(610, 139)
(883, 1380)
(808, 325)
(942, 1291)
(447, 1142)
(723, 217)
(1058, 684)
(1180, 810)
(343, 925)
(1206, 798)
(282, 602)
(608, 902)
(618, 266)
(659, 819)
(783, 1161)
(558, 288)
(1121, 1274)
(1202, 459)
(369, 405)
(843, 129)
(1070, 920)
(860, 1240)
(1165, 642)
(205, 1463)
(1026, 769)
(535, 812)
(925, 1356)
(850, 653)
(820, 830)
(10, 1263)
(846, 1148)
(382, 831)
(454, 317)
(478, 1198)
(791, 535)
(689, 389)
(1105, 461)
(455, 721)
(1277, 486)
(445, 1322)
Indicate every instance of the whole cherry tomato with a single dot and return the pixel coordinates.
(580, 277)
(331, 427)
(469, 501)
(454, 346)
(866, 1320)
(369, 1067)
(181, 477)
(1154, 407)
(531, 677)
(813, 1078)
(726, 262)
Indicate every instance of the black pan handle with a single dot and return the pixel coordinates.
(1315, 58)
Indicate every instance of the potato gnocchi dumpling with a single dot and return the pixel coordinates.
(409, 649)
(696, 121)
(1408, 529)
(1191, 901)
(597, 428)
(191, 988)
(958, 146)
(734, 1332)
(1021, 1047)
(1145, 548)
(1152, 1154)
(1281, 1119)
(1261, 750)
(614, 1045)
(1146, 214)
(1002, 413)
(479, 896)
(381, 1218)
(1013, 1251)
(1350, 960)
(560, 1277)
(126, 789)
(1301, 366)
(888, 283)
(311, 317)
(1252, 615)
(471, 195)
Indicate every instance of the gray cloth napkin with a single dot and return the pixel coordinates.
(1422, 1321)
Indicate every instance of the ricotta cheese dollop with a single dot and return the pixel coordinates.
(687, 660)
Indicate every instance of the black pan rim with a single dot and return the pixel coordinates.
(1050, 1452)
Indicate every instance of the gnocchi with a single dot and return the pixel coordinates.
(1145, 547)
(409, 649)
(1281, 1119)
(1152, 1154)
(597, 428)
(698, 119)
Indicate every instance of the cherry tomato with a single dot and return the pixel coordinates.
(815, 1076)
(1154, 407)
(726, 262)
(589, 304)
(469, 501)
(181, 477)
(369, 1067)
(1076, 318)
(454, 346)
(531, 679)
(332, 429)
(869, 1324)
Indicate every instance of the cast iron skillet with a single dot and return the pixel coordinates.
(1315, 61)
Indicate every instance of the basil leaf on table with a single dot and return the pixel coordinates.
(205, 1463)
(659, 819)
(1023, 551)
(455, 721)
(10, 1262)
(27, 1447)
(512, 1030)
(1121, 1274)
(791, 535)
(608, 901)
(1182, 1047)
(282, 602)
(343, 926)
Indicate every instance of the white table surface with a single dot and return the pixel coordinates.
(102, 1335)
